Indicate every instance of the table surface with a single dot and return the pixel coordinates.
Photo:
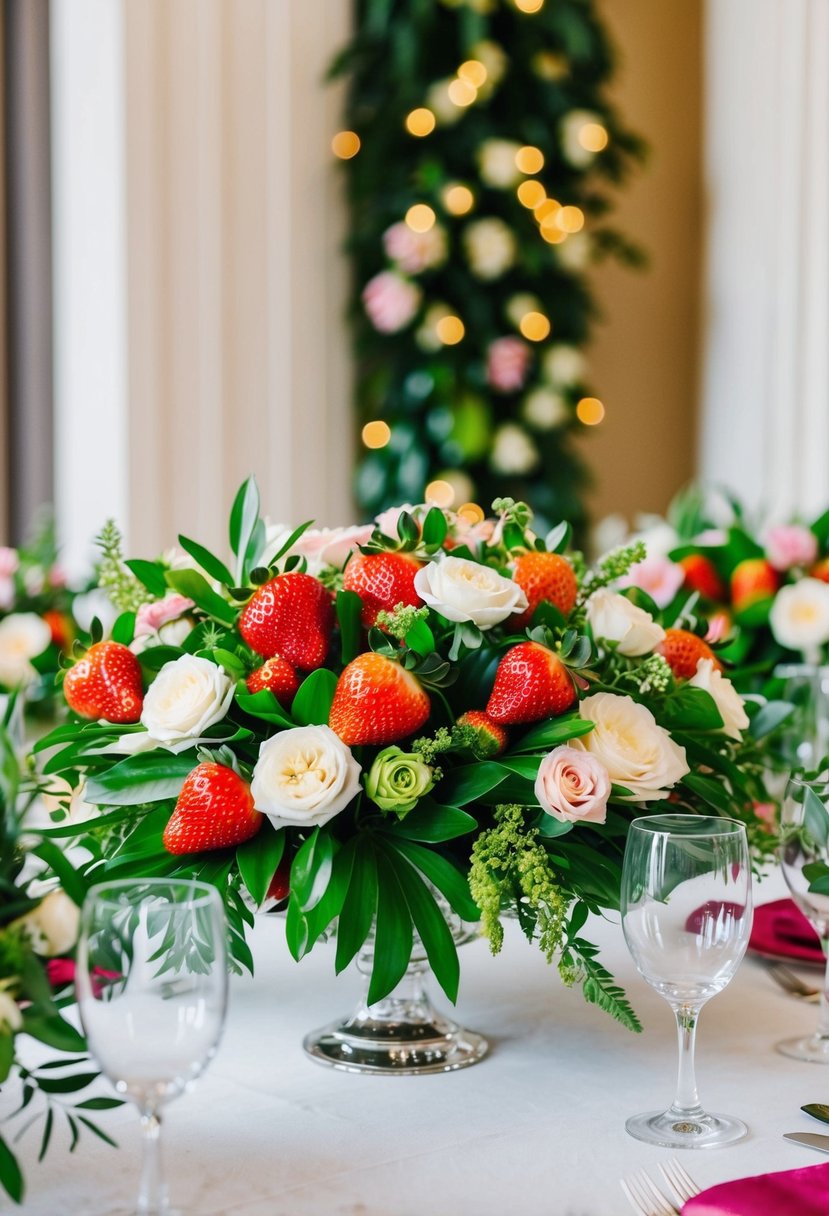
(537, 1127)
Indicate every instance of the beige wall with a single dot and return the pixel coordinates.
(644, 361)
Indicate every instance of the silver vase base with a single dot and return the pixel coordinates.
(388, 1043)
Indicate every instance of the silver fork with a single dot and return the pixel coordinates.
(792, 983)
(679, 1180)
(645, 1197)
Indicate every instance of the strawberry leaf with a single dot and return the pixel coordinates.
(258, 860)
(151, 574)
(196, 587)
(207, 560)
(312, 703)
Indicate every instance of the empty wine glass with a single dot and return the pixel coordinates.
(804, 841)
(686, 915)
(152, 991)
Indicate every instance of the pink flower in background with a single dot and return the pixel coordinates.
(508, 360)
(415, 251)
(6, 593)
(790, 545)
(473, 535)
(387, 520)
(60, 971)
(390, 301)
(151, 617)
(719, 626)
(57, 576)
(331, 546)
(659, 576)
(573, 786)
(9, 561)
(767, 813)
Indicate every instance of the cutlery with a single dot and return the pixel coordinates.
(679, 1180)
(809, 1139)
(645, 1197)
(792, 983)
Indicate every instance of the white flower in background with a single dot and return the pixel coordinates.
(614, 618)
(573, 786)
(545, 409)
(495, 60)
(60, 796)
(390, 301)
(657, 575)
(23, 636)
(304, 776)
(519, 305)
(789, 545)
(570, 129)
(462, 590)
(91, 604)
(34, 579)
(490, 247)
(10, 1016)
(563, 365)
(52, 927)
(513, 451)
(186, 697)
(324, 547)
(496, 162)
(427, 334)
(800, 616)
(413, 252)
(726, 698)
(441, 104)
(637, 752)
(609, 533)
(576, 252)
(656, 534)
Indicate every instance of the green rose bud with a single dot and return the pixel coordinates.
(397, 779)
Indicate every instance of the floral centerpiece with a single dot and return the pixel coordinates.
(364, 723)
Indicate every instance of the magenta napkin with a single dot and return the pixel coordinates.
(780, 928)
(803, 1192)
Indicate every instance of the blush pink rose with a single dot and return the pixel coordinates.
(659, 576)
(331, 546)
(9, 561)
(387, 520)
(719, 627)
(150, 617)
(790, 545)
(390, 301)
(415, 251)
(507, 363)
(573, 786)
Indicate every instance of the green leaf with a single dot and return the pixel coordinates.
(470, 781)
(549, 734)
(71, 881)
(420, 638)
(559, 538)
(600, 989)
(550, 827)
(312, 703)
(66, 1085)
(815, 817)
(443, 874)
(349, 607)
(523, 766)
(359, 905)
(97, 1131)
(10, 1174)
(6, 1053)
(434, 529)
(98, 1104)
(264, 705)
(196, 587)
(330, 905)
(430, 924)
(711, 791)
(259, 859)
(147, 777)
(123, 630)
(432, 823)
(243, 516)
(393, 937)
(291, 541)
(54, 1032)
(151, 574)
(207, 560)
(311, 869)
(769, 717)
(691, 709)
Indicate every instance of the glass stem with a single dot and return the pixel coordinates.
(152, 1192)
(686, 1102)
(823, 1018)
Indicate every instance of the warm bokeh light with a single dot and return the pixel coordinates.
(376, 434)
(420, 122)
(570, 219)
(345, 144)
(458, 199)
(531, 194)
(528, 6)
(471, 513)
(535, 326)
(474, 72)
(450, 330)
(590, 411)
(439, 494)
(593, 137)
(547, 208)
(461, 92)
(420, 217)
(552, 235)
(529, 159)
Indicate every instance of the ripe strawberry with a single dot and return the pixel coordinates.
(682, 650)
(701, 576)
(377, 701)
(544, 576)
(821, 570)
(382, 581)
(752, 580)
(531, 683)
(490, 738)
(277, 676)
(60, 627)
(290, 616)
(106, 683)
(280, 884)
(214, 811)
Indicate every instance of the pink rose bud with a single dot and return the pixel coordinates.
(790, 545)
(507, 362)
(659, 576)
(9, 561)
(150, 617)
(573, 786)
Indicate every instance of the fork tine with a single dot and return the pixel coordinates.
(633, 1200)
(679, 1180)
(663, 1206)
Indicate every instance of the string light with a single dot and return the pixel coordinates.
(440, 494)
(535, 327)
(546, 208)
(570, 219)
(474, 72)
(531, 194)
(593, 137)
(552, 235)
(529, 6)
(345, 144)
(471, 513)
(529, 159)
(420, 217)
(376, 434)
(461, 92)
(420, 122)
(590, 411)
(450, 330)
(458, 199)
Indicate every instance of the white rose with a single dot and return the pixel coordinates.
(10, 1015)
(615, 619)
(513, 451)
(637, 752)
(800, 615)
(59, 796)
(52, 927)
(462, 590)
(564, 365)
(496, 161)
(726, 698)
(304, 776)
(490, 247)
(22, 636)
(186, 697)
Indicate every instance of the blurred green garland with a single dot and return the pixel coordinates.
(493, 413)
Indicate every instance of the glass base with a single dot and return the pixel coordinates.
(671, 1130)
(814, 1049)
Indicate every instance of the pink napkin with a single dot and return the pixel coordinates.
(781, 928)
(803, 1192)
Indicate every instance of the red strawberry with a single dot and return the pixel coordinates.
(531, 683)
(106, 683)
(544, 576)
(60, 627)
(382, 581)
(377, 701)
(213, 811)
(753, 580)
(701, 576)
(490, 738)
(821, 570)
(682, 650)
(290, 616)
(277, 676)
(280, 884)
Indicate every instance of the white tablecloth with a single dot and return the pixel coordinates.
(536, 1128)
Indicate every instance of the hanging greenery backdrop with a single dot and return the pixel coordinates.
(478, 153)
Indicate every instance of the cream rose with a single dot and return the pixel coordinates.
(800, 615)
(52, 927)
(573, 786)
(614, 618)
(304, 776)
(637, 752)
(462, 590)
(186, 697)
(23, 635)
(726, 698)
(10, 1016)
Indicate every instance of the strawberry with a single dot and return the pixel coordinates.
(291, 615)
(377, 701)
(682, 650)
(752, 580)
(278, 677)
(821, 570)
(60, 627)
(544, 576)
(106, 683)
(531, 683)
(213, 811)
(490, 739)
(701, 576)
(280, 884)
(382, 581)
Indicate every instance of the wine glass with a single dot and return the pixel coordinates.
(152, 992)
(804, 841)
(686, 915)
